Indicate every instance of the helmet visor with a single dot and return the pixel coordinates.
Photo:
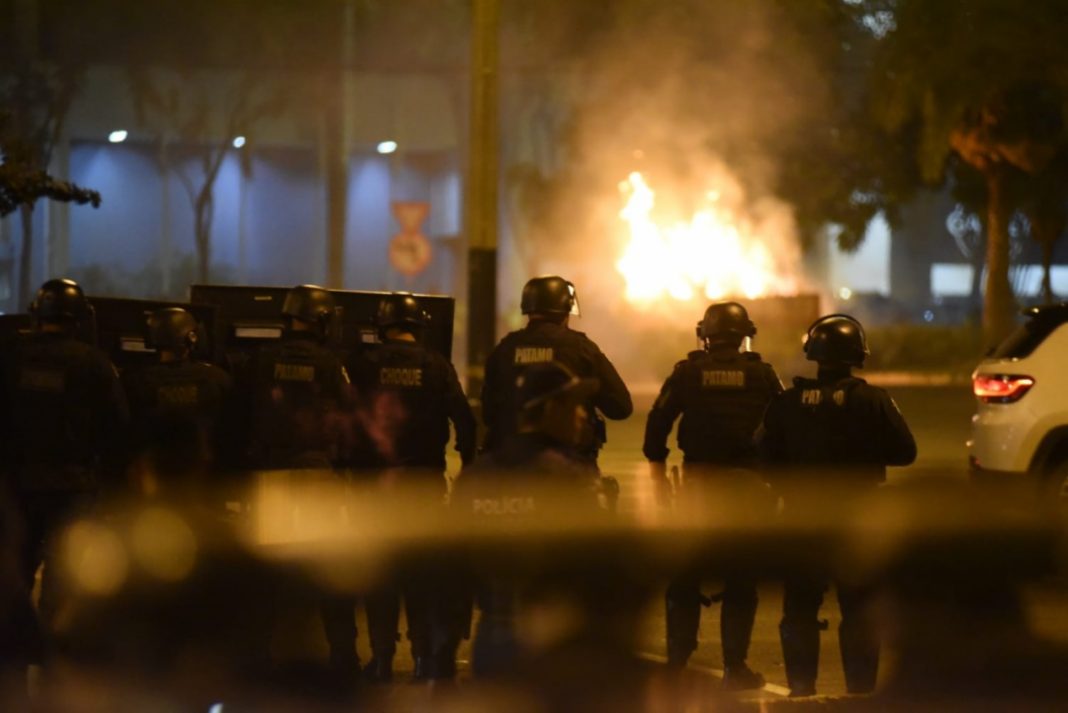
(575, 310)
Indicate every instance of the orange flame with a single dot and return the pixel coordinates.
(711, 256)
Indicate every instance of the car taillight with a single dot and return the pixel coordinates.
(1001, 388)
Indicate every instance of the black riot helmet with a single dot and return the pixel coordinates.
(401, 309)
(61, 301)
(549, 295)
(837, 339)
(725, 322)
(310, 303)
(173, 329)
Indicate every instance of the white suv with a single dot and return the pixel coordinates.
(1021, 426)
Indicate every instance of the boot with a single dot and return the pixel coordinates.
(345, 668)
(802, 690)
(379, 670)
(683, 618)
(742, 678)
(677, 657)
(444, 666)
(801, 654)
(424, 668)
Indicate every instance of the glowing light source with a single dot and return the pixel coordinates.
(117, 136)
(239, 141)
(714, 254)
(163, 544)
(1001, 388)
(387, 147)
(95, 558)
(845, 293)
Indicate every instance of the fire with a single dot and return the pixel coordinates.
(713, 255)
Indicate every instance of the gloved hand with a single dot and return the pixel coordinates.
(661, 484)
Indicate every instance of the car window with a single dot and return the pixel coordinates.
(1026, 338)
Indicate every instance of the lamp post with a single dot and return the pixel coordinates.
(481, 196)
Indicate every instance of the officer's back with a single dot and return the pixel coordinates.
(411, 393)
(720, 392)
(836, 424)
(180, 406)
(548, 302)
(66, 408)
(293, 388)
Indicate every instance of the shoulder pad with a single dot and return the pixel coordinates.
(694, 355)
(752, 356)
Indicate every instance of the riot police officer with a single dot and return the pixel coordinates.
(407, 378)
(65, 413)
(549, 303)
(721, 394)
(409, 394)
(294, 387)
(179, 406)
(825, 441)
(293, 392)
(553, 427)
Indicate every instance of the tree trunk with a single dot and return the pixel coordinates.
(1047, 224)
(1047, 266)
(337, 177)
(204, 209)
(978, 260)
(999, 304)
(26, 257)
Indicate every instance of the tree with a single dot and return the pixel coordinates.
(983, 80)
(1046, 206)
(205, 114)
(197, 98)
(37, 87)
(23, 182)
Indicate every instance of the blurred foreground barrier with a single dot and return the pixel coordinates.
(180, 604)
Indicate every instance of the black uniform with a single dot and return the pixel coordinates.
(721, 395)
(181, 413)
(65, 415)
(507, 482)
(842, 424)
(539, 342)
(411, 394)
(843, 432)
(293, 390)
(408, 395)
